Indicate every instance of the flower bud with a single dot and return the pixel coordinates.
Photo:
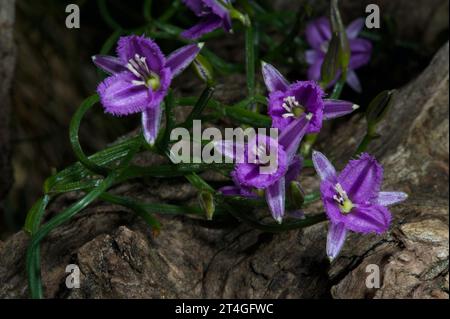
(204, 70)
(206, 201)
(331, 63)
(296, 194)
(337, 27)
(379, 107)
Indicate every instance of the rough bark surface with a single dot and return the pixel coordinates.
(7, 58)
(119, 258)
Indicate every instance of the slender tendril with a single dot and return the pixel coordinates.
(74, 137)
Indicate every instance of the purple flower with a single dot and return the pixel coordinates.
(253, 171)
(318, 35)
(299, 108)
(140, 78)
(353, 200)
(213, 14)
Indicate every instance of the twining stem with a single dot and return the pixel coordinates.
(32, 223)
(73, 177)
(33, 251)
(137, 207)
(67, 214)
(250, 62)
(34, 217)
(74, 138)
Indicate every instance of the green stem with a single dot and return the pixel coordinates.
(337, 90)
(32, 223)
(170, 11)
(33, 274)
(274, 227)
(364, 143)
(199, 183)
(250, 62)
(288, 41)
(169, 170)
(163, 139)
(199, 106)
(106, 15)
(35, 215)
(137, 207)
(147, 9)
(33, 251)
(369, 137)
(236, 112)
(73, 175)
(74, 138)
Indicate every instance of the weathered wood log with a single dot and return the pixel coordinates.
(118, 256)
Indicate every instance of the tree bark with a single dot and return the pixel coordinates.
(7, 60)
(120, 258)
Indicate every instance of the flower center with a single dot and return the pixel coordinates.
(341, 198)
(138, 66)
(293, 107)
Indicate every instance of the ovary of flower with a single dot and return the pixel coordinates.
(345, 204)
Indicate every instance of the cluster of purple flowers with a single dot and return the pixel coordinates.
(140, 77)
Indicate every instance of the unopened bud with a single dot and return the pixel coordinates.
(379, 107)
(296, 194)
(331, 64)
(204, 70)
(206, 200)
(338, 28)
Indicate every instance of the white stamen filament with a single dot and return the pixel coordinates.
(286, 115)
(138, 82)
(287, 108)
(138, 66)
(341, 191)
(289, 104)
(142, 63)
(133, 70)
